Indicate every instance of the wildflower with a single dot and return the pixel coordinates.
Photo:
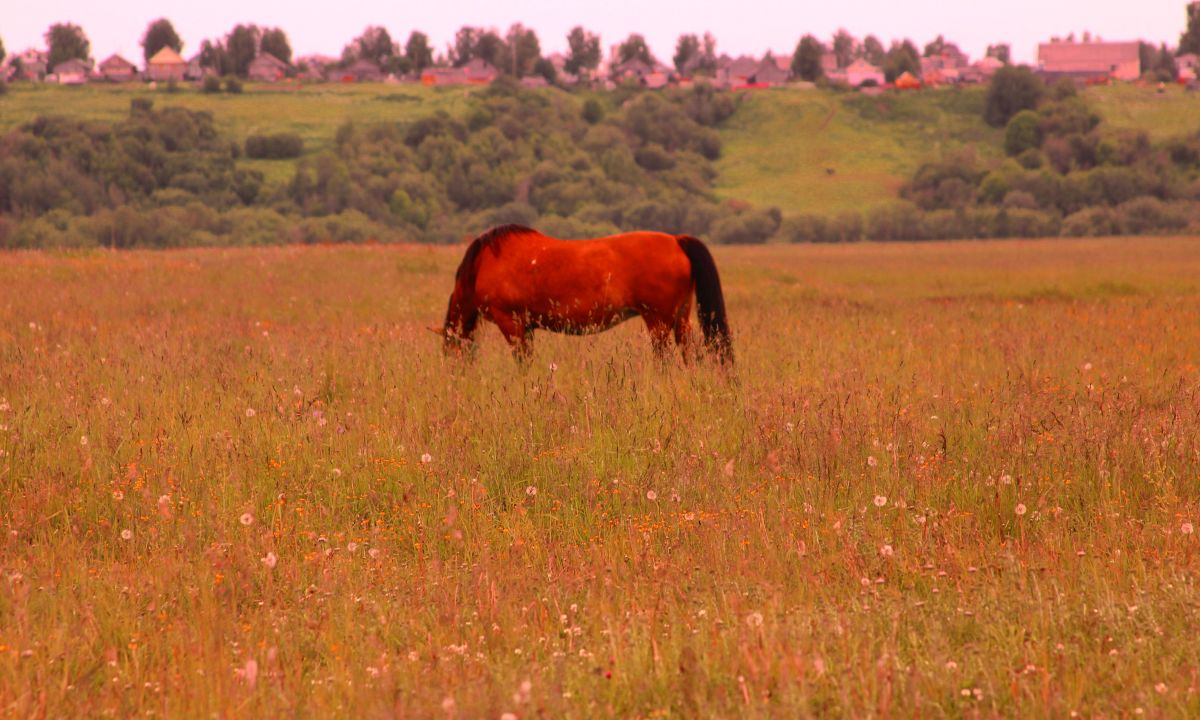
(351, 547)
(248, 672)
(126, 534)
(1006, 479)
(651, 495)
(118, 495)
(246, 519)
(448, 704)
(553, 367)
(1020, 509)
(866, 582)
(689, 516)
(83, 440)
(508, 716)
(250, 412)
(754, 619)
(951, 665)
(886, 551)
(1186, 528)
(871, 461)
(374, 553)
(426, 459)
(531, 491)
(270, 560)
(1161, 688)
(880, 501)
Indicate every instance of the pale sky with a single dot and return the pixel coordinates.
(741, 26)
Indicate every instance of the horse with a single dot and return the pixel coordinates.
(523, 281)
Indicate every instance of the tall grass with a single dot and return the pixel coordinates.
(945, 479)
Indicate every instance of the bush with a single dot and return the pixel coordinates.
(751, 227)
(896, 221)
(593, 111)
(233, 86)
(274, 147)
(211, 85)
(1012, 90)
(1148, 215)
(1022, 133)
(1092, 222)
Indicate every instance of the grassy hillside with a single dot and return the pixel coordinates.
(1175, 111)
(816, 151)
(314, 112)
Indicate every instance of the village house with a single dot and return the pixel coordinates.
(860, 73)
(737, 73)
(480, 72)
(118, 69)
(1189, 65)
(72, 72)
(630, 70)
(165, 66)
(771, 72)
(267, 68)
(443, 76)
(1089, 61)
(362, 70)
(30, 65)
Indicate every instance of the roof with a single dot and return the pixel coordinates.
(166, 56)
(743, 66)
(479, 66)
(1086, 57)
(269, 59)
(115, 61)
(861, 65)
(71, 65)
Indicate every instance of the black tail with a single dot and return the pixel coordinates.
(710, 301)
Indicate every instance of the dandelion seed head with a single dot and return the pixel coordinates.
(83, 440)
(880, 500)
(1020, 509)
(374, 553)
(1161, 688)
(250, 412)
(886, 551)
(754, 619)
(651, 495)
(246, 519)
(270, 560)
(126, 534)
(531, 491)
(1187, 528)
(426, 458)
(351, 547)
(118, 495)
(871, 461)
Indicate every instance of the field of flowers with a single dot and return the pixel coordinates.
(944, 480)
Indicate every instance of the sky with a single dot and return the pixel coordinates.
(740, 27)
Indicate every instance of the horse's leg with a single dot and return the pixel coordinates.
(660, 333)
(518, 335)
(683, 328)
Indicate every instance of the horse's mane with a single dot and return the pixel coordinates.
(465, 276)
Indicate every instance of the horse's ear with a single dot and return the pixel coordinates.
(437, 330)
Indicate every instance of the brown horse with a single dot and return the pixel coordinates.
(523, 281)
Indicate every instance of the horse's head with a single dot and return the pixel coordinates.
(453, 342)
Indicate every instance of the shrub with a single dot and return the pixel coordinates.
(806, 228)
(211, 85)
(895, 221)
(751, 227)
(1022, 133)
(233, 86)
(274, 147)
(1092, 222)
(1012, 90)
(593, 111)
(1148, 215)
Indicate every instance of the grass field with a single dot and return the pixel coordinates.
(945, 480)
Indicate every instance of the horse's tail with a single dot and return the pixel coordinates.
(710, 301)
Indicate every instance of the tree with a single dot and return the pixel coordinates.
(635, 48)
(417, 51)
(872, 51)
(583, 51)
(3, 54)
(687, 49)
(471, 43)
(1023, 133)
(708, 56)
(1013, 89)
(374, 44)
(241, 47)
(66, 41)
(1000, 51)
(524, 50)
(935, 47)
(901, 58)
(845, 47)
(160, 34)
(214, 57)
(806, 61)
(275, 41)
(1189, 41)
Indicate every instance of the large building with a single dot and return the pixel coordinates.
(1083, 61)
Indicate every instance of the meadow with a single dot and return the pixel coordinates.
(944, 480)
